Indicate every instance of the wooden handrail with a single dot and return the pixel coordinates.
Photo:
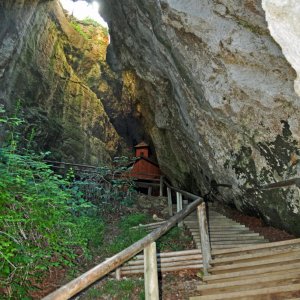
(70, 164)
(187, 194)
(277, 185)
(86, 279)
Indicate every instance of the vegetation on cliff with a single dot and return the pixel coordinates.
(46, 220)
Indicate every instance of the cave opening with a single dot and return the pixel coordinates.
(84, 9)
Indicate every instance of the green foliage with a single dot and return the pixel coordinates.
(89, 21)
(43, 223)
(133, 220)
(127, 235)
(79, 29)
(104, 185)
(40, 224)
(49, 220)
(174, 240)
(123, 289)
(105, 31)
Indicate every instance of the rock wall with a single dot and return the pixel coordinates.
(51, 65)
(216, 95)
(283, 22)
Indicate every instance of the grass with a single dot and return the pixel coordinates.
(174, 240)
(125, 289)
(127, 235)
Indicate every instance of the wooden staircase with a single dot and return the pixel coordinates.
(261, 271)
(224, 233)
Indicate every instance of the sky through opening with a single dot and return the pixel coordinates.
(82, 9)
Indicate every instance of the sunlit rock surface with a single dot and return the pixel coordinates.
(284, 23)
(216, 95)
(51, 68)
(204, 80)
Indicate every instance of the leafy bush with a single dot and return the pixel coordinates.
(38, 227)
(43, 222)
(48, 220)
(104, 184)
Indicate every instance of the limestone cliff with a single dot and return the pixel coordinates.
(216, 95)
(45, 64)
(283, 22)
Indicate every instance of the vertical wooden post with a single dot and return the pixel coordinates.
(204, 237)
(179, 201)
(150, 191)
(179, 205)
(161, 186)
(150, 273)
(170, 205)
(118, 274)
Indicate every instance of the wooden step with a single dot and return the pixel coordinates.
(214, 223)
(220, 234)
(224, 247)
(232, 275)
(233, 228)
(241, 283)
(255, 264)
(232, 237)
(163, 264)
(235, 242)
(166, 261)
(281, 244)
(254, 256)
(191, 266)
(282, 290)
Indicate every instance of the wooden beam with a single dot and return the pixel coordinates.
(146, 184)
(86, 279)
(161, 186)
(205, 243)
(170, 205)
(118, 274)
(179, 205)
(150, 273)
(184, 193)
(150, 191)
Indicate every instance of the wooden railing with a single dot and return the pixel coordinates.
(277, 185)
(155, 180)
(149, 246)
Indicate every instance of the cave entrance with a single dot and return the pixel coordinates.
(84, 10)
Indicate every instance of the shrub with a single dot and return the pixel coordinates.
(79, 29)
(42, 223)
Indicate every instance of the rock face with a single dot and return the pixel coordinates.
(216, 95)
(283, 20)
(204, 80)
(50, 64)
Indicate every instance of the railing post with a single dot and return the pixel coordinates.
(170, 205)
(118, 274)
(179, 205)
(150, 272)
(204, 237)
(161, 186)
(150, 191)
